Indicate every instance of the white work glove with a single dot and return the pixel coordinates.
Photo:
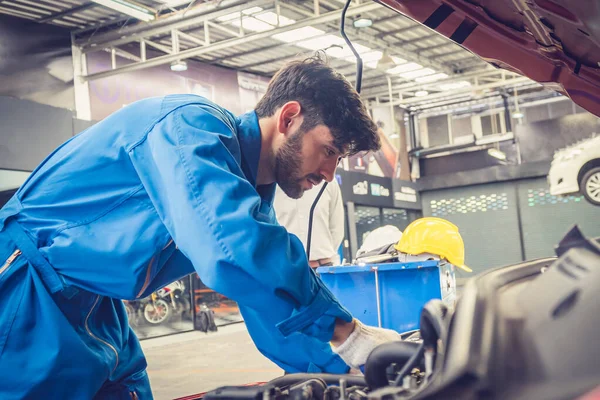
(362, 341)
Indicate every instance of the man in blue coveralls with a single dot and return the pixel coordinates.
(162, 188)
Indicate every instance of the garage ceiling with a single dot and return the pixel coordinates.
(404, 61)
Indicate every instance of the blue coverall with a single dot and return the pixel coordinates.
(155, 191)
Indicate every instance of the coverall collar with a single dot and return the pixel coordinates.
(250, 144)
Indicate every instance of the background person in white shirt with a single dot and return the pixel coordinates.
(328, 221)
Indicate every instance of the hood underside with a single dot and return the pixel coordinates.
(553, 42)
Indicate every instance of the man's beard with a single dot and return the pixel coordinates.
(288, 163)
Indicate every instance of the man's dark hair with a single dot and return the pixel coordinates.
(327, 98)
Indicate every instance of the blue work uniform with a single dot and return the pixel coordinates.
(158, 190)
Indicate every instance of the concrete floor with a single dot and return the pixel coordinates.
(194, 362)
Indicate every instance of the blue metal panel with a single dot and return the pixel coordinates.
(403, 295)
(404, 288)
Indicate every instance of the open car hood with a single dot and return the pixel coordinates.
(553, 42)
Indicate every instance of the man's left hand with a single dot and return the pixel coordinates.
(354, 341)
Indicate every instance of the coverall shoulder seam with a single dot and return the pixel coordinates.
(196, 195)
(155, 122)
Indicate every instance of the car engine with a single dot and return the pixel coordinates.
(527, 331)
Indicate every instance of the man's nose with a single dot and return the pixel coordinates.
(328, 169)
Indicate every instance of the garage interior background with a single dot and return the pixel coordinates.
(462, 140)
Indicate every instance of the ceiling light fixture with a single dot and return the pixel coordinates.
(454, 85)
(421, 93)
(431, 78)
(131, 9)
(411, 66)
(179, 66)
(517, 115)
(363, 23)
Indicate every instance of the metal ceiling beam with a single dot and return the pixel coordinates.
(68, 12)
(396, 49)
(437, 46)
(401, 30)
(265, 48)
(372, 91)
(455, 51)
(100, 25)
(194, 52)
(420, 39)
(164, 25)
(382, 45)
(416, 101)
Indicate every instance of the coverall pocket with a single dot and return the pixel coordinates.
(12, 297)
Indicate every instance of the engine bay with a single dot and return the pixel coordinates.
(524, 331)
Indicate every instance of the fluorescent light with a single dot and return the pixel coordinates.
(455, 85)
(369, 56)
(344, 51)
(229, 17)
(431, 78)
(500, 155)
(179, 66)
(298, 34)
(174, 3)
(271, 18)
(252, 10)
(252, 24)
(394, 136)
(404, 68)
(236, 15)
(131, 9)
(398, 60)
(363, 23)
(417, 73)
(421, 93)
(322, 42)
(517, 115)
(370, 59)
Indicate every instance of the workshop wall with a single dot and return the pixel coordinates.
(484, 214)
(30, 131)
(109, 94)
(507, 222)
(545, 219)
(35, 62)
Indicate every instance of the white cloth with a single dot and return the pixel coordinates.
(328, 220)
(362, 341)
(380, 237)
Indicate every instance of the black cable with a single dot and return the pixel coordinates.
(359, 70)
(408, 367)
(310, 220)
(359, 63)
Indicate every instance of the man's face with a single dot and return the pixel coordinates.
(305, 159)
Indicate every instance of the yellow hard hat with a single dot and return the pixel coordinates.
(436, 236)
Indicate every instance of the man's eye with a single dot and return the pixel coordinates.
(330, 152)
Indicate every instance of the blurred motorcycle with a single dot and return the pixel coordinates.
(161, 305)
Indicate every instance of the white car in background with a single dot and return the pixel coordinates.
(576, 169)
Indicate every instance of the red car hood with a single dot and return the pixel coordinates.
(554, 42)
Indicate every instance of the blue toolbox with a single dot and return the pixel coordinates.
(391, 295)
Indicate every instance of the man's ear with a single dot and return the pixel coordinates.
(289, 116)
